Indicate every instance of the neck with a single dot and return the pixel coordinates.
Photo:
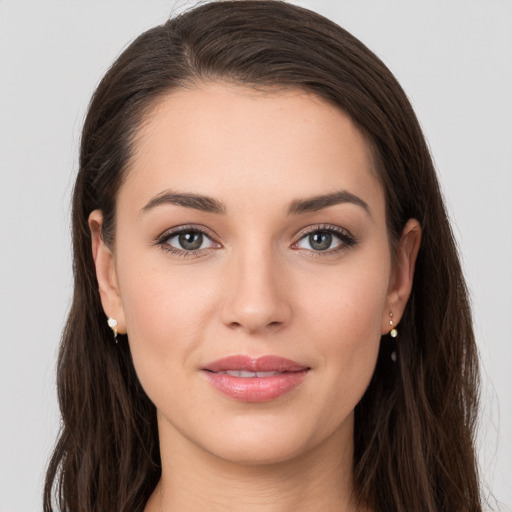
(195, 480)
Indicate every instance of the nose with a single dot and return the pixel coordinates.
(256, 295)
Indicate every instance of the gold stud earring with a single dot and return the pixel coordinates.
(112, 323)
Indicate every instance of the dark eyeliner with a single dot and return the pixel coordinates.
(348, 240)
(162, 239)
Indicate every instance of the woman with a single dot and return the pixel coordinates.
(269, 312)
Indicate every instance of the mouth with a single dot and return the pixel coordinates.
(250, 379)
(248, 375)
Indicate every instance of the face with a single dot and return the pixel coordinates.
(251, 271)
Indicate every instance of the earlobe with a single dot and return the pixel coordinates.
(106, 272)
(402, 274)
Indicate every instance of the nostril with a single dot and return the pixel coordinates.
(247, 325)
(255, 311)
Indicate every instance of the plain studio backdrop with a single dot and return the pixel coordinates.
(454, 60)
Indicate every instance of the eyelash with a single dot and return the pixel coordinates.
(346, 238)
(165, 237)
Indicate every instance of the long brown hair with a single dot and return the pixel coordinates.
(414, 426)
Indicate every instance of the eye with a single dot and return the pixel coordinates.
(326, 239)
(319, 241)
(186, 241)
(189, 240)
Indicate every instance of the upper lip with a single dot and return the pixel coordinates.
(255, 364)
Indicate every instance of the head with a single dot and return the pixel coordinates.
(258, 61)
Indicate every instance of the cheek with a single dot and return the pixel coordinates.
(165, 309)
(349, 300)
(344, 320)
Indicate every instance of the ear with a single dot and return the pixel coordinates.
(402, 274)
(106, 273)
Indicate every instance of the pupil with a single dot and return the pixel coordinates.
(191, 240)
(320, 240)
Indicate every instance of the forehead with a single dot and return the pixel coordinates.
(233, 141)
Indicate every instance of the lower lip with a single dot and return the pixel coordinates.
(255, 389)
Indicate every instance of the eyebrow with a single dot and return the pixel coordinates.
(315, 203)
(296, 207)
(195, 201)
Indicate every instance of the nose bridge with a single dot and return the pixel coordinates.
(255, 296)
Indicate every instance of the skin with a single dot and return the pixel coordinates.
(258, 287)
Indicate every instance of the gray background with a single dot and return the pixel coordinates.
(454, 59)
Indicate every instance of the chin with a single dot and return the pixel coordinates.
(260, 452)
(270, 439)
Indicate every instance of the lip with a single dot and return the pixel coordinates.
(289, 374)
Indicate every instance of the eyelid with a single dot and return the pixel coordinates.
(162, 239)
(168, 233)
(347, 239)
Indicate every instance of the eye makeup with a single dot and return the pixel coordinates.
(188, 235)
(322, 236)
(191, 241)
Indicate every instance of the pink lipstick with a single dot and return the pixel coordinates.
(255, 379)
